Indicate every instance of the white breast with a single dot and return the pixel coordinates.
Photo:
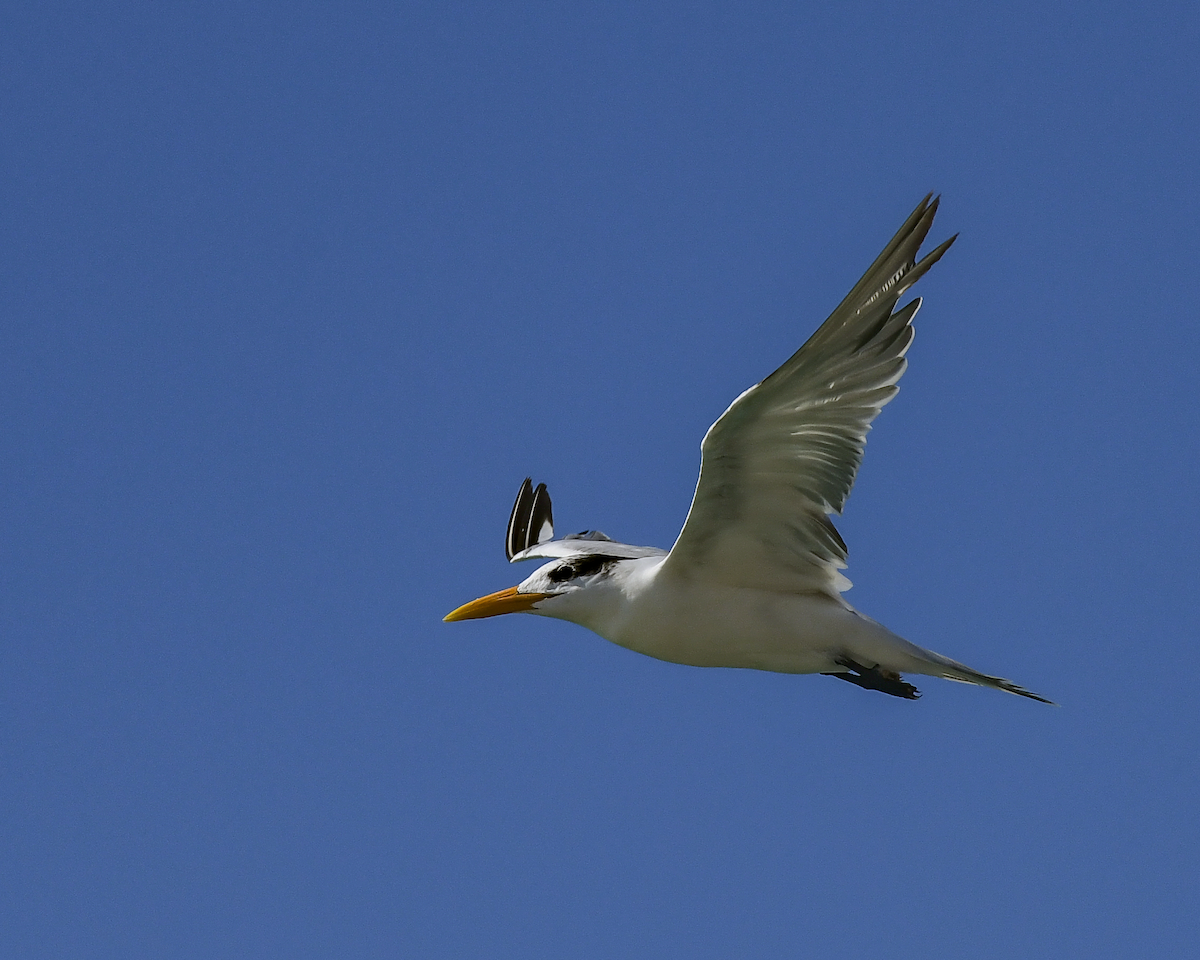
(688, 621)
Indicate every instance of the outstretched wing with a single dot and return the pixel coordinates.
(783, 457)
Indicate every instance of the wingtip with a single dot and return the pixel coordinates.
(927, 261)
(518, 520)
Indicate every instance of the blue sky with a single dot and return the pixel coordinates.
(293, 297)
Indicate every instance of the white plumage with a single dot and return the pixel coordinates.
(754, 579)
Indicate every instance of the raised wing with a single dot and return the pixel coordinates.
(531, 533)
(531, 521)
(784, 456)
(576, 546)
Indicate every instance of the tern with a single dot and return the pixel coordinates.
(754, 579)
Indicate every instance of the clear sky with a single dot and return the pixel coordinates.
(294, 295)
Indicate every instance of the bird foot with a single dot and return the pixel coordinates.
(874, 678)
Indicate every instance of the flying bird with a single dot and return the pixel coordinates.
(754, 579)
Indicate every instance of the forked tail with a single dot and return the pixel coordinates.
(953, 670)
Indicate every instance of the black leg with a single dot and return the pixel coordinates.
(872, 678)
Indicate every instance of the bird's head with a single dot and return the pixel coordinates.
(559, 589)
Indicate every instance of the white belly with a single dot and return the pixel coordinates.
(710, 625)
(715, 626)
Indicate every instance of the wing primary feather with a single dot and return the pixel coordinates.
(785, 454)
(911, 234)
(518, 520)
(899, 321)
(541, 518)
(934, 255)
(871, 299)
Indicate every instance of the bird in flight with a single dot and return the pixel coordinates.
(754, 579)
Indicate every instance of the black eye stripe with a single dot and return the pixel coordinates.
(583, 567)
(589, 565)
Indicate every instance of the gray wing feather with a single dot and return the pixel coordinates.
(567, 547)
(784, 456)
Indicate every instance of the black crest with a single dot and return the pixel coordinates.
(532, 520)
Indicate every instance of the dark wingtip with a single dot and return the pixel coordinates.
(531, 514)
(518, 520)
(541, 515)
(927, 261)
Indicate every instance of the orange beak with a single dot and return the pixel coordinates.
(494, 604)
